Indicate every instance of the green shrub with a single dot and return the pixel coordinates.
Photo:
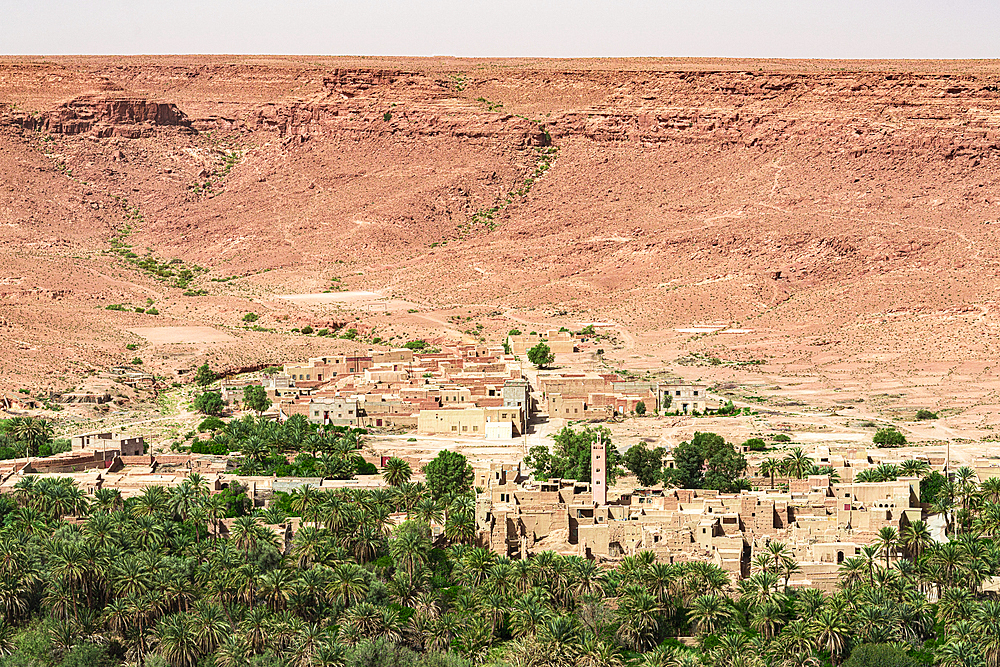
(418, 344)
(136, 361)
(879, 655)
(212, 423)
(251, 317)
(781, 437)
(755, 445)
(131, 346)
(925, 414)
(889, 437)
(86, 655)
(365, 468)
(306, 330)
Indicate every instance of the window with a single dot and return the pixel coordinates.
(309, 376)
(678, 392)
(465, 428)
(695, 392)
(454, 428)
(475, 428)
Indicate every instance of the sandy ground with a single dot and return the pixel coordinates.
(170, 335)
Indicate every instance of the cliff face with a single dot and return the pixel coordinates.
(104, 116)
(657, 194)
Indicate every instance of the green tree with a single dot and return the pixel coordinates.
(569, 457)
(707, 462)
(209, 403)
(541, 355)
(205, 376)
(448, 473)
(640, 408)
(646, 464)
(934, 488)
(255, 397)
(889, 437)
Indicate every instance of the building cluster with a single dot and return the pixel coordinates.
(584, 395)
(465, 390)
(823, 519)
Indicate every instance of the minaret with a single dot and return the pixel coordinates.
(598, 472)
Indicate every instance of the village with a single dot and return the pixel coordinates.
(490, 403)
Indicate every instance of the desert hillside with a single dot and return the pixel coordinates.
(838, 218)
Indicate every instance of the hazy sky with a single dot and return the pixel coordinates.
(556, 28)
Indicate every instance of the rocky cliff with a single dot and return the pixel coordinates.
(657, 193)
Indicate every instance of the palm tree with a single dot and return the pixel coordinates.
(152, 501)
(410, 547)
(914, 538)
(914, 468)
(245, 534)
(396, 472)
(108, 500)
(766, 618)
(769, 468)
(209, 625)
(959, 653)
(460, 527)
(305, 501)
(177, 640)
(869, 556)
(31, 432)
(639, 619)
(599, 653)
(527, 616)
(348, 584)
(235, 651)
(708, 613)
(214, 508)
(887, 540)
(798, 464)
(429, 511)
(831, 633)
(275, 587)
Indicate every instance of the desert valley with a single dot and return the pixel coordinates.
(491, 339)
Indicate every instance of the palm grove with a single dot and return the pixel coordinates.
(154, 580)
